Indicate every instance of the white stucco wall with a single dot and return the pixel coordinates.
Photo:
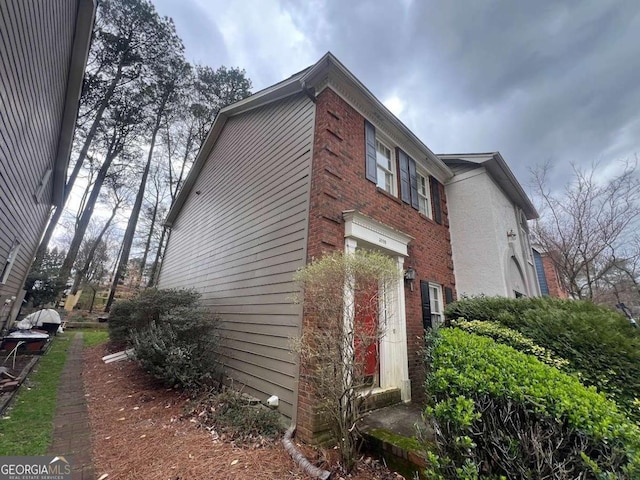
(480, 215)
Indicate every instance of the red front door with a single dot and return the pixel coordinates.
(366, 331)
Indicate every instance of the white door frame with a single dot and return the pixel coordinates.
(394, 364)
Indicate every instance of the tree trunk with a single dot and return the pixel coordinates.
(156, 262)
(147, 245)
(65, 270)
(53, 222)
(133, 219)
(92, 252)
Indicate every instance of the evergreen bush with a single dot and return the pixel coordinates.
(500, 413)
(599, 344)
(173, 337)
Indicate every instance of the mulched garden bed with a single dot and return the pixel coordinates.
(139, 431)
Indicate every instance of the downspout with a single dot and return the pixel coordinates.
(295, 454)
(300, 459)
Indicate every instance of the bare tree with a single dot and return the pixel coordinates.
(586, 223)
(117, 134)
(345, 301)
(165, 91)
(117, 197)
(123, 40)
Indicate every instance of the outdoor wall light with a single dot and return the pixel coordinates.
(410, 276)
(511, 235)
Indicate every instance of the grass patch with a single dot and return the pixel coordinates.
(27, 426)
(91, 338)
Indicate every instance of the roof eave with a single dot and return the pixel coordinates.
(318, 73)
(494, 161)
(80, 51)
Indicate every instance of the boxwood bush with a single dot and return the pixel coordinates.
(599, 344)
(499, 413)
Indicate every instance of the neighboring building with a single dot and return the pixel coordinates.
(312, 164)
(547, 273)
(43, 51)
(488, 212)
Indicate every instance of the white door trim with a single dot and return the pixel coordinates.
(394, 364)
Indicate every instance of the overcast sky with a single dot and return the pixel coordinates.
(536, 80)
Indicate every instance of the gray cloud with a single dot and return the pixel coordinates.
(535, 80)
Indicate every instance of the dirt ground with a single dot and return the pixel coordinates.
(138, 433)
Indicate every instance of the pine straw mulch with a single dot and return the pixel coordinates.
(139, 432)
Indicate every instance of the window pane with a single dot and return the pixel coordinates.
(422, 186)
(382, 176)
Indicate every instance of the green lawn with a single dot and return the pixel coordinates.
(93, 337)
(26, 428)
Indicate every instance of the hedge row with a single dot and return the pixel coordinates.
(599, 344)
(499, 412)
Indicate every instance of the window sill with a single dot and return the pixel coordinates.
(389, 195)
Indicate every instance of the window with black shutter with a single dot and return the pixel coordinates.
(426, 304)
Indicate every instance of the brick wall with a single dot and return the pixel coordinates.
(338, 183)
(551, 274)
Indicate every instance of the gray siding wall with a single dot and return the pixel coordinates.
(240, 239)
(36, 38)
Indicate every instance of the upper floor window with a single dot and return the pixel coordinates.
(385, 160)
(424, 195)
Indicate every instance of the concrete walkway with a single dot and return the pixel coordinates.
(72, 434)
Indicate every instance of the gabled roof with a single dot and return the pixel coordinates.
(80, 50)
(328, 71)
(499, 171)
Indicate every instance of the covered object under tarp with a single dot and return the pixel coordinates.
(47, 319)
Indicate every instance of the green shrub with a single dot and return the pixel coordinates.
(599, 344)
(513, 338)
(129, 315)
(231, 414)
(180, 348)
(499, 412)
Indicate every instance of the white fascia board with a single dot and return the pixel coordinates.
(499, 170)
(85, 15)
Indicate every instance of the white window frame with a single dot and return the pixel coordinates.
(382, 169)
(424, 197)
(436, 300)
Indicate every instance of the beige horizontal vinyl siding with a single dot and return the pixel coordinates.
(36, 39)
(240, 239)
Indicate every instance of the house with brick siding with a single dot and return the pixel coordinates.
(43, 51)
(313, 164)
(489, 213)
(548, 276)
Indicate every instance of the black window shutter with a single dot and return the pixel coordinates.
(437, 208)
(448, 295)
(370, 152)
(413, 178)
(405, 186)
(426, 304)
